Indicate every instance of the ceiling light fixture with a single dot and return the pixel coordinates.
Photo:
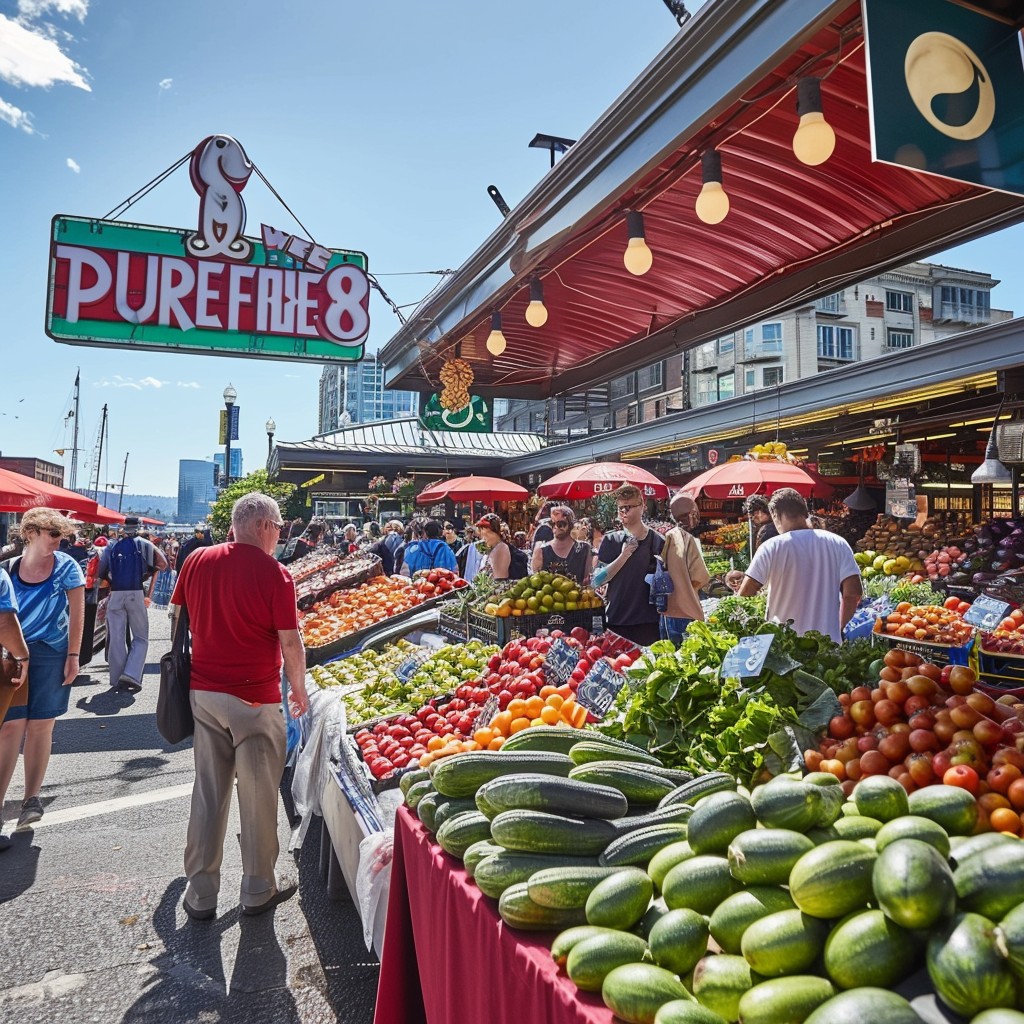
(496, 340)
(713, 202)
(814, 140)
(536, 311)
(637, 258)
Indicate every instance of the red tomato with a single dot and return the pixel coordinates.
(963, 776)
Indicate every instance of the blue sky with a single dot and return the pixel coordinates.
(380, 124)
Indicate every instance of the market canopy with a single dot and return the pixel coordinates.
(472, 488)
(727, 83)
(19, 493)
(745, 477)
(101, 515)
(597, 478)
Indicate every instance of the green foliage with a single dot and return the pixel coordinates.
(220, 511)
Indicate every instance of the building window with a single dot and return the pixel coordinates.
(771, 337)
(749, 380)
(622, 386)
(726, 343)
(631, 416)
(899, 302)
(707, 389)
(830, 303)
(899, 339)
(748, 337)
(967, 305)
(726, 385)
(835, 342)
(772, 376)
(649, 377)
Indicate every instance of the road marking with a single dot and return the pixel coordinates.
(120, 803)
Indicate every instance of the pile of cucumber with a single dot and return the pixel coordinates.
(688, 901)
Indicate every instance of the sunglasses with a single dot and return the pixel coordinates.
(53, 533)
(560, 522)
(626, 508)
(277, 526)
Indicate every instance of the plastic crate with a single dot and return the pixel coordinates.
(937, 654)
(500, 630)
(1001, 674)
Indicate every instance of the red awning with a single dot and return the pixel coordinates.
(593, 479)
(472, 488)
(102, 515)
(745, 477)
(19, 493)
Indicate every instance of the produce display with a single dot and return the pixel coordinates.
(1007, 637)
(315, 561)
(935, 624)
(334, 577)
(993, 560)
(899, 537)
(348, 611)
(731, 538)
(434, 582)
(541, 593)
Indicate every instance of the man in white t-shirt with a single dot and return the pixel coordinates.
(811, 575)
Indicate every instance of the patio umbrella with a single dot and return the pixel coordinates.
(472, 488)
(748, 476)
(598, 478)
(19, 493)
(101, 514)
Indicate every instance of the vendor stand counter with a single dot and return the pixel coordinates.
(448, 956)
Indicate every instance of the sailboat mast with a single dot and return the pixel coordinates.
(124, 476)
(74, 442)
(99, 453)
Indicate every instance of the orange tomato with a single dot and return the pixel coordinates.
(483, 736)
(1016, 794)
(501, 722)
(546, 691)
(1005, 819)
(990, 802)
(435, 743)
(497, 743)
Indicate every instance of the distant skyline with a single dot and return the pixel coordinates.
(381, 126)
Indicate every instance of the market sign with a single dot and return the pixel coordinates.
(475, 418)
(944, 85)
(212, 290)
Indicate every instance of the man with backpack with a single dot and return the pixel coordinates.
(127, 564)
(429, 553)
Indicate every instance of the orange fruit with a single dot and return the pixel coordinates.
(435, 743)
(992, 802)
(1016, 794)
(546, 691)
(550, 715)
(497, 743)
(516, 707)
(534, 706)
(1005, 819)
(483, 736)
(518, 725)
(470, 745)
(426, 760)
(501, 722)
(554, 700)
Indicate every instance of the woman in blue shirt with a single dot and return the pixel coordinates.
(50, 592)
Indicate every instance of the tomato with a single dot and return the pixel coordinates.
(952, 603)
(841, 727)
(961, 679)
(1000, 779)
(923, 741)
(874, 762)
(963, 776)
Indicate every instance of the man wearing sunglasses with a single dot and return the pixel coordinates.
(563, 554)
(627, 557)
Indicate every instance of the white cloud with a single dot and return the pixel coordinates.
(190, 384)
(29, 57)
(152, 382)
(34, 8)
(73, 165)
(165, 83)
(117, 381)
(16, 117)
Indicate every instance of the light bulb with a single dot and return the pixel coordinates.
(713, 202)
(814, 140)
(536, 311)
(637, 258)
(496, 340)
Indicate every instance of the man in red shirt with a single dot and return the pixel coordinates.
(243, 619)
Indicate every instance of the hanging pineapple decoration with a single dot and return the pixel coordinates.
(457, 378)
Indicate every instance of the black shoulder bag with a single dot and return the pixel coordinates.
(174, 719)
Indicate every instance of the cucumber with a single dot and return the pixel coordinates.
(540, 832)
(611, 742)
(477, 852)
(785, 1000)
(953, 808)
(699, 883)
(566, 940)
(765, 856)
(787, 803)
(634, 992)
(735, 914)
(408, 778)
(832, 879)
(991, 883)
(698, 788)
(447, 808)
(517, 910)
(592, 959)
(659, 816)
(717, 820)
(856, 826)
(786, 942)
(1001, 1015)
(962, 847)
(494, 874)
(565, 888)
(967, 968)
(555, 739)
(640, 846)
(913, 884)
(458, 834)
(638, 785)
(682, 1011)
(913, 827)
(719, 983)
(596, 749)
(665, 860)
(547, 793)
(867, 1006)
(464, 774)
(620, 900)
(426, 809)
(866, 948)
(678, 940)
(417, 791)
(881, 797)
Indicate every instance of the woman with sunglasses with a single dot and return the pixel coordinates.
(494, 532)
(50, 590)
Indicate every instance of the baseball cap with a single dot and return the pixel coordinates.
(682, 505)
(490, 521)
(100, 542)
(131, 522)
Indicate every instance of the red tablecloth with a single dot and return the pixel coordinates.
(449, 957)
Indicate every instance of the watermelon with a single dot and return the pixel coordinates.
(913, 884)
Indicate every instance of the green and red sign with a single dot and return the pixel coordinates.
(213, 290)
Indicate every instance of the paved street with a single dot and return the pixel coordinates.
(90, 899)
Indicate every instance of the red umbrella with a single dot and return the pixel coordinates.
(749, 476)
(472, 488)
(19, 493)
(597, 478)
(101, 514)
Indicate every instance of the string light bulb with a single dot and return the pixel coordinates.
(637, 257)
(814, 140)
(536, 311)
(496, 340)
(713, 202)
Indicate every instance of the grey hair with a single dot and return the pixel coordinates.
(250, 509)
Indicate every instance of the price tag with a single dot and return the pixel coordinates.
(747, 658)
(986, 612)
(407, 668)
(599, 689)
(560, 662)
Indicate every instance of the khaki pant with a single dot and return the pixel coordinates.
(232, 740)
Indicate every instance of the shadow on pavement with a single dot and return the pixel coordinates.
(18, 866)
(107, 702)
(134, 732)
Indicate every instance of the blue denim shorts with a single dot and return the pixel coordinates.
(47, 696)
(672, 628)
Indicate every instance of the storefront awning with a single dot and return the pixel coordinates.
(794, 232)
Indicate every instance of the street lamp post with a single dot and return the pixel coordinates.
(230, 394)
(271, 427)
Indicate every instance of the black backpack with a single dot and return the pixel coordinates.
(518, 563)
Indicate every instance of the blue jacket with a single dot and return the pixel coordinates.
(428, 554)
